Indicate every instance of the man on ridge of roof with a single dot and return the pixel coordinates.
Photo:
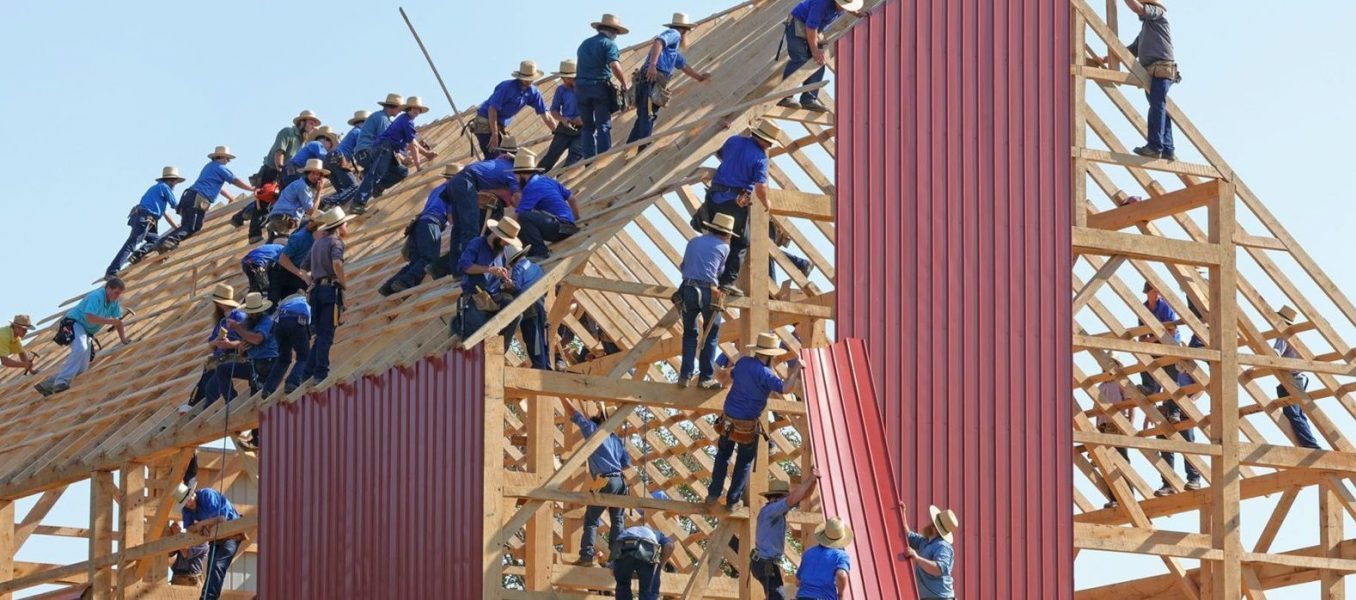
(1153, 48)
(510, 97)
(144, 217)
(99, 308)
(804, 41)
(546, 209)
(652, 82)
(384, 167)
(741, 177)
(198, 198)
(599, 59)
(286, 144)
(565, 110)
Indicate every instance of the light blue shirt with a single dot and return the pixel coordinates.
(350, 142)
(610, 457)
(940, 552)
(769, 541)
(296, 199)
(704, 258)
(818, 568)
(372, 127)
(642, 532)
(157, 199)
(94, 304)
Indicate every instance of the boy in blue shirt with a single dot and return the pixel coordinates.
(296, 202)
(98, 308)
(823, 572)
(752, 381)
(599, 59)
(144, 217)
(932, 554)
(426, 235)
(546, 209)
(703, 260)
(255, 340)
(202, 511)
(493, 176)
(384, 167)
(607, 467)
(565, 110)
(741, 177)
(510, 97)
(292, 334)
(482, 268)
(769, 539)
(1172, 411)
(195, 201)
(804, 35)
(652, 85)
(257, 263)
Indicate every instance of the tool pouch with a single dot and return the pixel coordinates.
(566, 128)
(737, 430)
(484, 302)
(201, 202)
(65, 333)
(1165, 69)
(480, 125)
(642, 550)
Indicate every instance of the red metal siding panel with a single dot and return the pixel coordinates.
(374, 490)
(850, 448)
(953, 188)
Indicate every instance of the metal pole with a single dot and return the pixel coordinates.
(475, 148)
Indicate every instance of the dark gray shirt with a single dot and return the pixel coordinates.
(1154, 42)
(326, 250)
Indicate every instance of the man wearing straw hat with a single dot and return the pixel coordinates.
(195, 201)
(599, 59)
(375, 124)
(652, 83)
(804, 41)
(384, 166)
(343, 172)
(1299, 422)
(321, 143)
(741, 177)
(286, 144)
(565, 110)
(99, 308)
(769, 540)
(607, 470)
(510, 97)
(521, 275)
(1153, 48)
(703, 260)
(483, 268)
(224, 308)
(202, 511)
(328, 282)
(144, 217)
(297, 201)
(490, 178)
(932, 554)
(546, 209)
(12, 352)
(752, 381)
(824, 567)
(254, 339)
(426, 235)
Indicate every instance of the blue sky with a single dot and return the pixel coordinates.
(99, 96)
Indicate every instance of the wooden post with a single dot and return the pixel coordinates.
(7, 545)
(492, 583)
(101, 499)
(132, 526)
(1330, 535)
(753, 321)
(1080, 123)
(1112, 22)
(1223, 430)
(541, 438)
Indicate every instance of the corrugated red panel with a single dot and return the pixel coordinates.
(374, 491)
(953, 185)
(852, 454)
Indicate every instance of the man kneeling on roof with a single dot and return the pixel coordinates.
(424, 236)
(144, 217)
(546, 209)
(224, 309)
(740, 424)
(483, 268)
(202, 512)
(99, 308)
(12, 352)
(297, 201)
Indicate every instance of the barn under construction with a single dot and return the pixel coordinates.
(975, 163)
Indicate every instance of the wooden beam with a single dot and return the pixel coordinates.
(492, 464)
(7, 546)
(132, 522)
(1157, 207)
(1143, 541)
(1330, 526)
(791, 203)
(1225, 520)
(1111, 243)
(534, 382)
(1152, 164)
(541, 448)
(820, 307)
(100, 534)
(676, 507)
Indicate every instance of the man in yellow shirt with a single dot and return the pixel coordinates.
(11, 344)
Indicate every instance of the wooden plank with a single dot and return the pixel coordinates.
(531, 382)
(100, 534)
(492, 563)
(1157, 207)
(8, 547)
(1225, 520)
(1111, 243)
(1106, 538)
(540, 461)
(1330, 533)
(132, 520)
(1152, 164)
(792, 203)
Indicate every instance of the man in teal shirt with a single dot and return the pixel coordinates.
(599, 59)
(98, 309)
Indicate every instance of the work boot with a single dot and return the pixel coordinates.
(814, 105)
(238, 220)
(712, 499)
(1193, 485)
(732, 290)
(255, 239)
(1170, 156)
(789, 103)
(584, 561)
(386, 289)
(1166, 490)
(44, 388)
(709, 384)
(358, 209)
(684, 380)
(1149, 152)
(60, 386)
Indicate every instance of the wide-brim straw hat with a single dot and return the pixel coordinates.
(392, 100)
(24, 321)
(1288, 314)
(170, 173)
(305, 115)
(525, 162)
(768, 345)
(850, 4)
(517, 255)
(359, 116)
(680, 21)
(509, 144)
(723, 223)
(324, 131)
(255, 303)
(315, 165)
(181, 494)
(611, 22)
(834, 533)
(568, 68)
(527, 70)
(451, 170)
(945, 522)
(334, 217)
(224, 295)
(221, 152)
(767, 131)
(777, 488)
(505, 229)
(415, 102)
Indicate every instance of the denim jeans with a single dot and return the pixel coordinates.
(646, 573)
(560, 142)
(143, 231)
(428, 237)
(222, 382)
(593, 517)
(466, 214)
(339, 178)
(769, 574)
(798, 53)
(282, 283)
(191, 219)
(533, 326)
(1173, 412)
(539, 227)
(739, 245)
(743, 465)
(382, 172)
(697, 302)
(483, 141)
(1299, 422)
(219, 558)
(595, 110)
(646, 112)
(1160, 124)
(470, 319)
(256, 274)
(294, 340)
(77, 361)
(325, 319)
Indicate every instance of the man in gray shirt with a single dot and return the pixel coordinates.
(327, 293)
(1153, 48)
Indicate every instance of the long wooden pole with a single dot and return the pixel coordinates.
(475, 148)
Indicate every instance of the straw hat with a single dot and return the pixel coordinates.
(224, 295)
(856, 4)
(325, 132)
(525, 162)
(723, 223)
(24, 321)
(527, 70)
(221, 152)
(945, 522)
(305, 115)
(568, 68)
(392, 100)
(680, 21)
(255, 303)
(767, 131)
(333, 217)
(516, 255)
(777, 488)
(507, 143)
(451, 170)
(415, 102)
(358, 117)
(834, 533)
(181, 494)
(505, 229)
(611, 22)
(170, 173)
(768, 345)
(1288, 314)
(315, 165)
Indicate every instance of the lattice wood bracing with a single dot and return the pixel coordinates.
(1197, 214)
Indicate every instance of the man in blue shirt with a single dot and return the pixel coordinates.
(202, 511)
(322, 143)
(546, 209)
(599, 59)
(144, 217)
(292, 335)
(384, 166)
(296, 202)
(255, 341)
(286, 144)
(823, 572)
(641, 552)
(343, 173)
(565, 110)
(741, 176)
(425, 236)
(510, 97)
(195, 201)
(607, 467)
(1294, 413)
(374, 126)
(350, 141)
(652, 86)
(752, 381)
(98, 308)
(932, 554)
(483, 271)
(256, 264)
(522, 274)
(804, 35)
(288, 276)
(1160, 309)
(703, 260)
(769, 539)
(471, 191)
